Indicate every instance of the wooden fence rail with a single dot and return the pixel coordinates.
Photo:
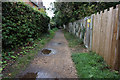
(102, 34)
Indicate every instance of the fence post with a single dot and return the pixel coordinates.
(84, 23)
(91, 25)
(79, 22)
(81, 29)
(118, 37)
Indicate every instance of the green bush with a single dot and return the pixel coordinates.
(21, 24)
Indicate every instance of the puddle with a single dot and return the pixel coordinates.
(36, 76)
(43, 75)
(29, 75)
(56, 44)
(59, 43)
(46, 51)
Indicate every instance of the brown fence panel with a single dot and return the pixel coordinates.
(105, 32)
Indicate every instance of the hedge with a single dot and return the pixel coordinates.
(21, 24)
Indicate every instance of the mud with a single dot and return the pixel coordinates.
(29, 75)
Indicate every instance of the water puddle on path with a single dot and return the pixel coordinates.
(48, 51)
(36, 76)
(59, 43)
(56, 44)
(29, 75)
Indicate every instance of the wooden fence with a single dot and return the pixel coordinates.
(102, 34)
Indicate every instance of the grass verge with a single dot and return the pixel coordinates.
(89, 65)
(28, 54)
(72, 39)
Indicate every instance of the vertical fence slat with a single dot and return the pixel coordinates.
(108, 34)
(96, 33)
(111, 38)
(104, 33)
(113, 51)
(99, 33)
(91, 29)
(118, 45)
(93, 35)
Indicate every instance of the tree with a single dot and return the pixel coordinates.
(66, 12)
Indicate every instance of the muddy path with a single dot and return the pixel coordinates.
(57, 64)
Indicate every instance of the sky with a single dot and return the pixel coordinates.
(46, 3)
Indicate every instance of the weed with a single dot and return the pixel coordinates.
(72, 39)
(91, 65)
(42, 41)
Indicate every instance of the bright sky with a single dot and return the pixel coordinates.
(46, 3)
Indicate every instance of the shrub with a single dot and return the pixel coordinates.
(21, 24)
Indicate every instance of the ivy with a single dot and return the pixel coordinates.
(21, 24)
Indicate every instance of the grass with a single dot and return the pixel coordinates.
(89, 65)
(28, 54)
(72, 39)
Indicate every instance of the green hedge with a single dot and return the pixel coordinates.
(21, 24)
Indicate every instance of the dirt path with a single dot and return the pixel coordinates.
(57, 65)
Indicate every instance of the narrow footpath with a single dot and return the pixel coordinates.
(57, 64)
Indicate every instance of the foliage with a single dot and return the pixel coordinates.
(90, 65)
(52, 23)
(66, 12)
(42, 11)
(52, 31)
(21, 24)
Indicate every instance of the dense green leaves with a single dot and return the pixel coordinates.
(66, 12)
(21, 23)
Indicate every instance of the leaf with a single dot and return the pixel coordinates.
(13, 57)
(1, 69)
